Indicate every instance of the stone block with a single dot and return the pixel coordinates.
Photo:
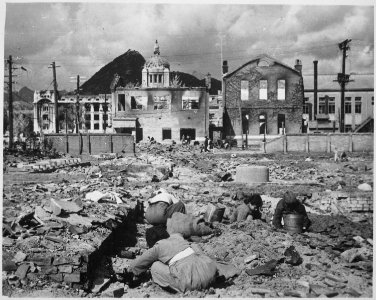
(41, 260)
(19, 257)
(74, 260)
(252, 174)
(47, 270)
(72, 278)
(22, 271)
(56, 277)
(65, 269)
(9, 265)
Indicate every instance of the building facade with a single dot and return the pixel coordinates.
(359, 103)
(215, 116)
(263, 97)
(160, 107)
(93, 113)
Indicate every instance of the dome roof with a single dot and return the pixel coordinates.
(157, 61)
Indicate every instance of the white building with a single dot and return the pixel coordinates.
(94, 111)
(359, 103)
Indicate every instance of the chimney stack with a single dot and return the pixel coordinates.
(315, 88)
(298, 65)
(224, 68)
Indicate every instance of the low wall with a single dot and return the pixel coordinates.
(91, 143)
(349, 142)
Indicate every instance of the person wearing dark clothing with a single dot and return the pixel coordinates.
(290, 205)
(251, 206)
(206, 143)
(188, 140)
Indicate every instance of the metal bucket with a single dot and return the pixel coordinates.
(293, 223)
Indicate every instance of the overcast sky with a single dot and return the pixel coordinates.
(83, 37)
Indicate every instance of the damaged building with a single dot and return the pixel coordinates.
(161, 107)
(263, 97)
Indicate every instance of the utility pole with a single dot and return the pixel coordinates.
(105, 113)
(65, 118)
(343, 79)
(56, 97)
(77, 102)
(10, 104)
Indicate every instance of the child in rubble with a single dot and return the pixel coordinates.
(251, 207)
(289, 204)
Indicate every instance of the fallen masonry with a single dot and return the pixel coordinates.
(72, 230)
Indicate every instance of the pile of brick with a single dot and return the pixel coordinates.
(58, 240)
(49, 165)
(342, 202)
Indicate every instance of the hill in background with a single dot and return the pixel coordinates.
(129, 67)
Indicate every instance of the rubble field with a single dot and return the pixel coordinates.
(70, 229)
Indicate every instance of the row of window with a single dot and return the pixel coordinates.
(140, 103)
(332, 108)
(263, 90)
(155, 78)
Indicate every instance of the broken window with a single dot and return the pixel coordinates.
(281, 95)
(244, 90)
(121, 102)
(96, 117)
(162, 102)
(263, 90)
(96, 126)
(166, 133)
(190, 103)
(138, 102)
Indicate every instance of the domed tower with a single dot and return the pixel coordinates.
(156, 71)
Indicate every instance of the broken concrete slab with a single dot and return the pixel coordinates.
(19, 257)
(59, 206)
(22, 271)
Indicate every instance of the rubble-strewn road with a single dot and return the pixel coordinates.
(55, 227)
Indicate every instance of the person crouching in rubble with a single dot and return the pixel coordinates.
(251, 206)
(289, 204)
(176, 264)
(161, 207)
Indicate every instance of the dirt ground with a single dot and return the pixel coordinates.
(202, 178)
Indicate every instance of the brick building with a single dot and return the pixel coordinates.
(160, 107)
(263, 96)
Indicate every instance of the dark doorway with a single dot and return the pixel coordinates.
(166, 134)
(262, 121)
(281, 124)
(139, 134)
(188, 132)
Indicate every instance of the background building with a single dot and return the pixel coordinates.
(264, 96)
(215, 116)
(161, 107)
(359, 103)
(93, 113)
